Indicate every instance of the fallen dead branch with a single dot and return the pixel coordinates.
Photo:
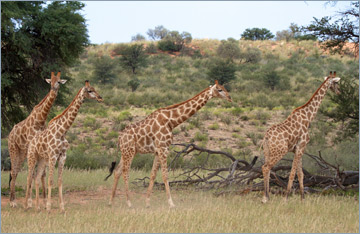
(244, 177)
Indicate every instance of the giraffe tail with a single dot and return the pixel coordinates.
(111, 169)
(113, 164)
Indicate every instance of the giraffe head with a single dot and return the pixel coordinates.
(334, 82)
(219, 91)
(55, 81)
(90, 92)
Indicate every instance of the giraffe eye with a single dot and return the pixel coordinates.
(220, 90)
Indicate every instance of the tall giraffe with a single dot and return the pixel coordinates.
(50, 145)
(292, 136)
(23, 132)
(154, 135)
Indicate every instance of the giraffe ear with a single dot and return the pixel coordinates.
(62, 81)
(48, 81)
(337, 79)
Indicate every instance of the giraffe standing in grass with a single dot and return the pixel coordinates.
(23, 132)
(154, 135)
(50, 145)
(292, 136)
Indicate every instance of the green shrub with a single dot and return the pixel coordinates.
(201, 137)
(214, 126)
(143, 162)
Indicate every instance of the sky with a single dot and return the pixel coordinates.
(118, 21)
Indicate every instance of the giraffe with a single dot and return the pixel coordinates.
(154, 135)
(23, 132)
(50, 145)
(292, 136)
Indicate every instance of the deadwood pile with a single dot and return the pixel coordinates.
(242, 177)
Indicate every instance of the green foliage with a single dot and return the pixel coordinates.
(134, 84)
(151, 48)
(221, 70)
(133, 57)
(251, 55)
(254, 34)
(229, 49)
(104, 70)
(158, 33)
(5, 156)
(335, 34)
(347, 106)
(174, 41)
(36, 39)
(143, 162)
(138, 37)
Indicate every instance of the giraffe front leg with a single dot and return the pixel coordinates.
(28, 201)
(164, 170)
(60, 168)
(292, 175)
(154, 170)
(266, 174)
(50, 182)
(40, 171)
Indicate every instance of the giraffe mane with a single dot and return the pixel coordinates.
(58, 116)
(178, 104)
(300, 107)
(42, 101)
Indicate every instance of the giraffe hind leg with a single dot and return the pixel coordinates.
(117, 175)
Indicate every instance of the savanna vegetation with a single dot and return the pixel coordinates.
(266, 79)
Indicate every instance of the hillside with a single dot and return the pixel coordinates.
(171, 78)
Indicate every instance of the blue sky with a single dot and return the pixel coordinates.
(118, 21)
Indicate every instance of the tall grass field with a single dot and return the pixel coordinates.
(86, 203)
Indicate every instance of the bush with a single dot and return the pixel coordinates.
(222, 70)
(104, 70)
(143, 162)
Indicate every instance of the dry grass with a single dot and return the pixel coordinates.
(86, 207)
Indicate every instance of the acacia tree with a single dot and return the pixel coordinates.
(174, 41)
(158, 33)
(35, 40)
(254, 34)
(222, 70)
(104, 69)
(133, 57)
(334, 35)
(229, 49)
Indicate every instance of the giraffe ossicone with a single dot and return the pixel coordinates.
(154, 135)
(292, 136)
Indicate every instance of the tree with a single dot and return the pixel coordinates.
(138, 37)
(251, 55)
(134, 84)
(254, 34)
(293, 33)
(229, 49)
(222, 70)
(35, 40)
(158, 33)
(347, 106)
(174, 41)
(133, 57)
(104, 69)
(334, 36)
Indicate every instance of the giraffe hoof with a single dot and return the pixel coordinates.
(264, 200)
(13, 204)
(29, 203)
(129, 204)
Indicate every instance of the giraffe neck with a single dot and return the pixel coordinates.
(182, 111)
(312, 106)
(64, 121)
(43, 108)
